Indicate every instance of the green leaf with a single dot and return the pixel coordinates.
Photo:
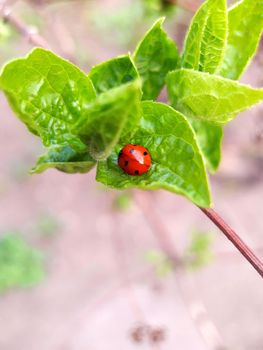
(209, 97)
(122, 201)
(161, 262)
(113, 73)
(20, 264)
(58, 103)
(155, 8)
(65, 159)
(46, 224)
(204, 49)
(245, 28)
(154, 57)
(177, 164)
(199, 252)
(206, 38)
(209, 138)
(107, 118)
(49, 95)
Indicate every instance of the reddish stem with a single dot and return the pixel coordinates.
(235, 239)
(29, 33)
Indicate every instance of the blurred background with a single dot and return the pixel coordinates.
(83, 267)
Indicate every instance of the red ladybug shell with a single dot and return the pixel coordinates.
(134, 160)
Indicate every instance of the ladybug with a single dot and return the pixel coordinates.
(134, 160)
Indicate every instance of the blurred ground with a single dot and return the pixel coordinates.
(98, 286)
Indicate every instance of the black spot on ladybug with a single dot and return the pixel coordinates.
(145, 153)
(136, 172)
(120, 153)
(126, 162)
(132, 150)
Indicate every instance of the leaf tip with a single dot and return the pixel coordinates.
(158, 23)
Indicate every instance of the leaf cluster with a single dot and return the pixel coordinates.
(85, 119)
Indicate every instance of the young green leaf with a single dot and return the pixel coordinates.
(48, 94)
(245, 28)
(65, 159)
(154, 57)
(113, 73)
(58, 102)
(209, 138)
(204, 51)
(107, 118)
(209, 97)
(206, 38)
(177, 164)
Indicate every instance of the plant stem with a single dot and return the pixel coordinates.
(235, 239)
(194, 304)
(29, 33)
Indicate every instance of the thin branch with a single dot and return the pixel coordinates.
(235, 239)
(30, 33)
(194, 305)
